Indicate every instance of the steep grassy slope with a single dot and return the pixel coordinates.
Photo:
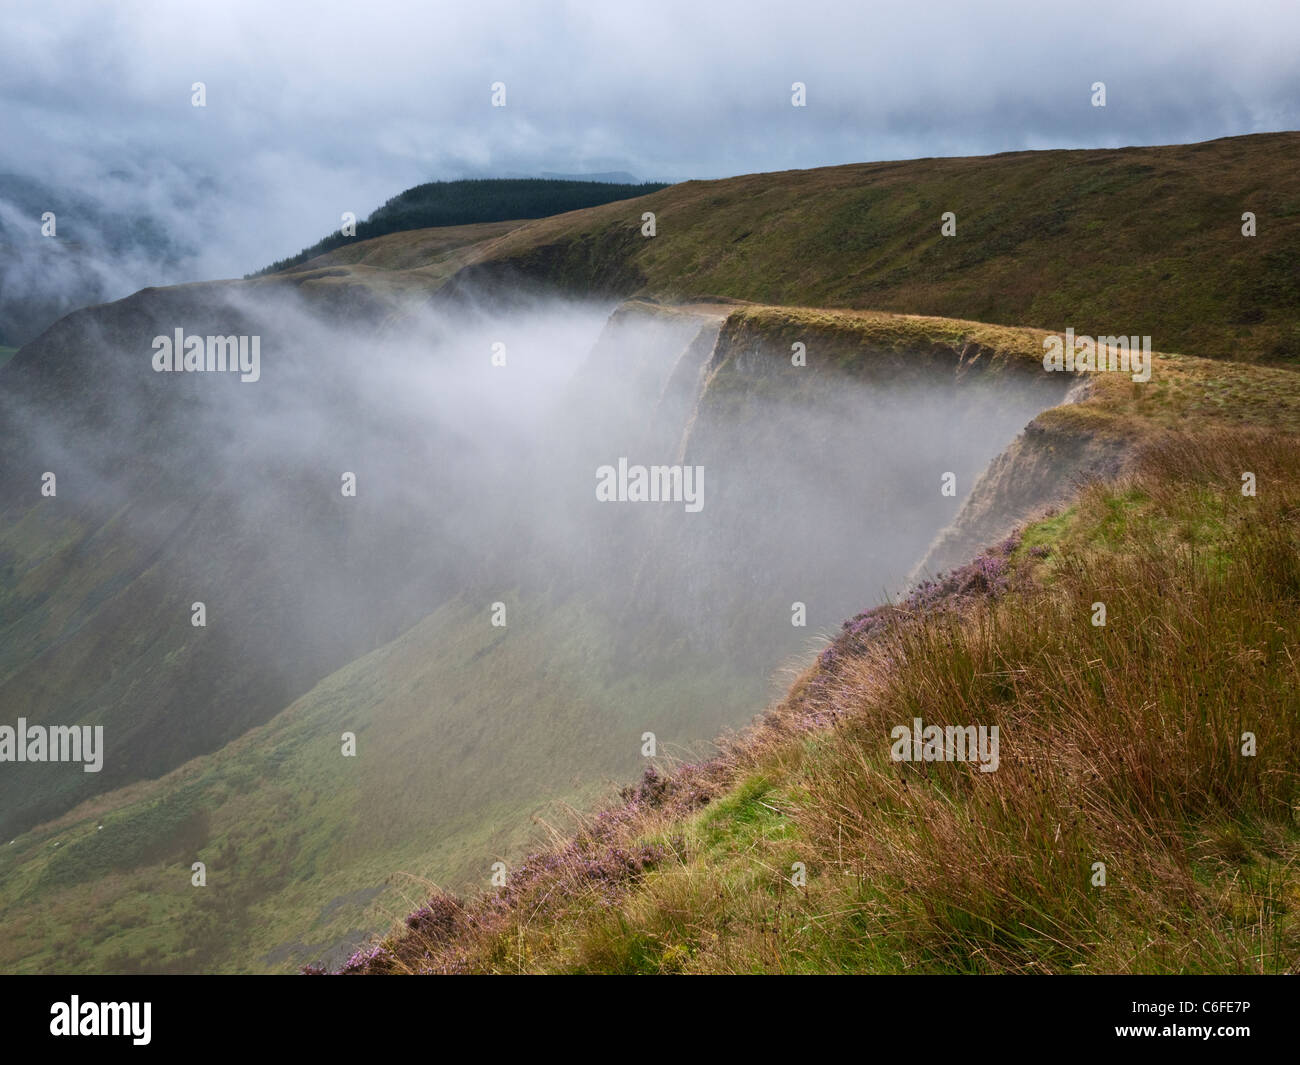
(176, 489)
(1164, 744)
(1141, 241)
(308, 851)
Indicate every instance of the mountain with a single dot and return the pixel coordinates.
(504, 648)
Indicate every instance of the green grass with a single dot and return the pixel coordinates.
(286, 826)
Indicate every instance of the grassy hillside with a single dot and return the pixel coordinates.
(459, 203)
(1140, 241)
(1123, 744)
(307, 851)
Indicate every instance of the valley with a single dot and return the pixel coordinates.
(493, 629)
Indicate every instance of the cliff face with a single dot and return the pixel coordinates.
(825, 451)
(1044, 465)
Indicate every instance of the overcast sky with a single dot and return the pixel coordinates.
(315, 108)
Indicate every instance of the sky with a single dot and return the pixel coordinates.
(316, 108)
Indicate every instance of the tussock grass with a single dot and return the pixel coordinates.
(1120, 744)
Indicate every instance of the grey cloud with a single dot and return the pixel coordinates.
(318, 108)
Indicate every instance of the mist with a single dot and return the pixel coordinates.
(472, 433)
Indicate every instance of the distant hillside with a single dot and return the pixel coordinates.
(455, 203)
(1134, 240)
